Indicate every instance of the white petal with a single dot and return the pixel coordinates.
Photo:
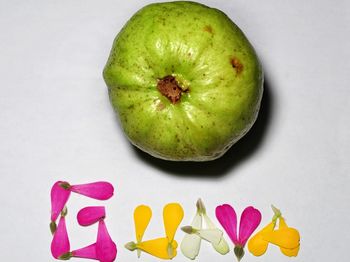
(208, 221)
(191, 243)
(222, 247)
(197, 221)
(190, 246)
(211, 235)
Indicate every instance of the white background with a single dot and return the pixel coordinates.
(56, 123)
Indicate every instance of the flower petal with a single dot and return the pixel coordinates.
(90, 215)
(59, 198)
(190, 246)
(191, 243)
(228, 220)
(290, 252)
(172, 217)
(106, 249)
(60, 242)
(158, 247)
(286, 238)
(250, 220)
(221, 247)
(86, 252)
(96, 190)
(142, 217)
(257, 245)
(210, 235)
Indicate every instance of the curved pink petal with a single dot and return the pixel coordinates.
(96, 190)
(228, 220)
(250, 220)
(60, 242)
(90, 215)
(86, 252)
(59, 198)
(106, 249)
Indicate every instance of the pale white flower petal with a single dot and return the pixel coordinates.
(190, 246)
(222, 247)
(191, 243)
(211, 235)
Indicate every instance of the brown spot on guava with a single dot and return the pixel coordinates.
(237, 65)
(170, 88)
(208, 29)
(160, 106)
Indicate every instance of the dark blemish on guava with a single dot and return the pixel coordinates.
(237, 65)
(208, 29)
(160, 106)
(170, 88)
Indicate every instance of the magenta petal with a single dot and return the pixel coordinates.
(59, 198)
(228, 220)
(86, 252)
(90, 215)
(106, 249)
(97, 190)
(250, 220)
(60, 242)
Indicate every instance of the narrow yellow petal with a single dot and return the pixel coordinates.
(290, 252)
(142, 216)
(282, 223)
(172, 216)
(158, 247)
(257, 245)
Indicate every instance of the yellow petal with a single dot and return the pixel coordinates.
(285, 237)
(286, 251)
(282, 223)
(142, 216)
(257, 245)
(290, 252)
(172, 216)
(158, 247)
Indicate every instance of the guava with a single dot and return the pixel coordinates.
(184, 81)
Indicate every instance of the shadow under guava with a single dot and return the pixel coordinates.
(243, 150)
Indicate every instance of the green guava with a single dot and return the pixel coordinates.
(184, 81)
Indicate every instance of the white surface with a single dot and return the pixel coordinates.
(56, 123)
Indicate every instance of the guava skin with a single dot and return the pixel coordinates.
(213, 63)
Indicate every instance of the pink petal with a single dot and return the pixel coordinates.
(60, 242)
(106, 249)
(59, 198)
(97, 190)
(86, 252)
(90, 215)
(250, 220)
(228, 220)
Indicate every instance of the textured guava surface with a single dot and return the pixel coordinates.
(184, 81)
